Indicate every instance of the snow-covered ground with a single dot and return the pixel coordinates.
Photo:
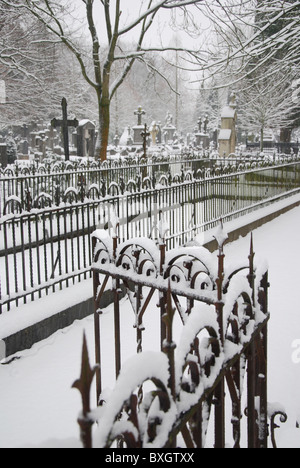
(39, 408)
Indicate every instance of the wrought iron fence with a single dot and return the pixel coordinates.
(275, 147)
(26, 188)
(172, 393)
(46, 248)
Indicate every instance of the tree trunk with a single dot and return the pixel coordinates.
(103, 129)
(103, 99)
(262, 139)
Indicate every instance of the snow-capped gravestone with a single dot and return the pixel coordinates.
(227, 136)
(138, 129)
(169, 129)
(201, 135)
(86, 138)
(126, 137)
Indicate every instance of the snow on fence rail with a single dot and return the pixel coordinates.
(24, 190)
(168, 396)
(26, 185)
(49, 248)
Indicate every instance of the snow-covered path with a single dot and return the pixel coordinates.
(38, 406)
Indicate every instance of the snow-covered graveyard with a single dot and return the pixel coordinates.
(132, 140)
(46, 250)
(38, 407)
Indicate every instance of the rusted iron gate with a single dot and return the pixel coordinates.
(224, 317)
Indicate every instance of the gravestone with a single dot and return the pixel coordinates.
(154, 131)
(3, 155)
(41, 140)
(86, 138)
(201, 134)
(169, 129)
(52, 138)
(11, 149)
(24, 149)
(126, 138)
(227, 135)
(138, 129)
(33, 136)
(116, 140)
(65, 124)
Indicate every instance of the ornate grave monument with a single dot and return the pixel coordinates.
(227, 136)
(138, 129)
(201, 136)
(169, 129)
(86, 138)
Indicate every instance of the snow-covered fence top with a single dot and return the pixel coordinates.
(24, 189)
(50, 244)
(213, 325)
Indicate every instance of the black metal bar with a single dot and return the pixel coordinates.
(38, 265)
(30, 244)
(24, 269)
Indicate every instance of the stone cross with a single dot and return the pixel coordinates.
(199, 124)
(140, 112)
(64, 124)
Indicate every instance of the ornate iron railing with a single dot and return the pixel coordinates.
(27, 188)
(49, 246)
(221, 353)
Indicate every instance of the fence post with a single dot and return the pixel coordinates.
(83, 384)
(96, 285)
(220, 389)
(116, 286)
(263, 371)
(163, 302)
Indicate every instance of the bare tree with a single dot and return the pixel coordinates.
(255, 51)
(31, 68)
(244, 48)
(114, 56)
(265, 104)
(251, 34)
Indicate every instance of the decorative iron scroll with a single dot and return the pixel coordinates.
(222, 349)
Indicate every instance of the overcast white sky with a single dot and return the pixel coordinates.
(161, 29)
